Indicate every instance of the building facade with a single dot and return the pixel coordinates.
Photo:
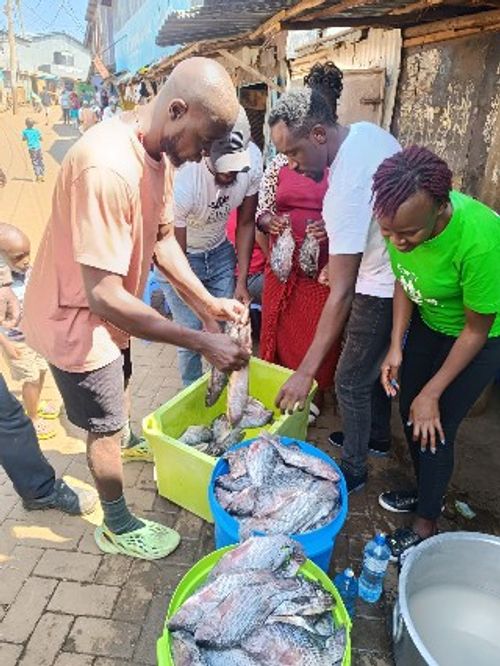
(53, 53)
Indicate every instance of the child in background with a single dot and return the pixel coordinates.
(33, 138)
(25, 364)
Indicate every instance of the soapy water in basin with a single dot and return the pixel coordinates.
(459, 625)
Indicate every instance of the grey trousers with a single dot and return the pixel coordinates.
(20, 455)
(363, 405)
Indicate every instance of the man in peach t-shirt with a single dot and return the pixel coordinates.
(83, 300)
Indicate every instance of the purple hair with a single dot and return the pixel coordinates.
(405, 173)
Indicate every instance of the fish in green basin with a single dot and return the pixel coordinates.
(255, 415)
(283, 643)
(197, 434)
(256, 609)
(237, 392)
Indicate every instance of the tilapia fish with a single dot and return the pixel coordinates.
(216, 384)
(255, 609)
(278, 489)
(283, 643)
(282, 255)
(255, 415)
(196, 435)
(237, 394)
(272, 553)
(309, 255)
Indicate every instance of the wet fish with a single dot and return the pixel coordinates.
(273, 553)
(233, 657)
(185, 651)
(216, 385)
(233, 619)
(309, 255)
(237, 393)
(197, 434)
(224, 436)
(211, 595)
(261, 460)
(255, 610)
(241, 503)
(282, 255)
(305, 512)
(296, 492)
(294, 456)
(255, 415)
(284, 643)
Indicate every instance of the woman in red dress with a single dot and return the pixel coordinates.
(291, 310)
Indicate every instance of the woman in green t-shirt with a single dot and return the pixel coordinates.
(445, 252)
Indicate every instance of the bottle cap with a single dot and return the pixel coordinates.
(380, 539)
(349, 573)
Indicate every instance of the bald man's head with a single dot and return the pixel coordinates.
(15, 247)
(196, 106)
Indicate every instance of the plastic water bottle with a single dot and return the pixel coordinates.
(347, 586)
(376, 559)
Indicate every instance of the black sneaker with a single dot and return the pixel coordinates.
(401, 541)
(354, 483)
(399, 501)
(377, 447)
(69, 499)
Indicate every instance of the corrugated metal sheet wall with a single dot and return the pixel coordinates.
(358, 49)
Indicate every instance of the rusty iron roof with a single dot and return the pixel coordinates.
(220, 19)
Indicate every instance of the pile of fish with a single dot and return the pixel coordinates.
(309, 255)
(278, 489)
(243, 412)
(281, 258)
(217, 438)
(255, 610)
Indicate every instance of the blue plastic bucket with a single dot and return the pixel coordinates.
(317, 544)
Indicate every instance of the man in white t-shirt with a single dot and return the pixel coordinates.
(304, 127)
(205, 193)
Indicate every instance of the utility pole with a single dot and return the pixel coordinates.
(12, 52)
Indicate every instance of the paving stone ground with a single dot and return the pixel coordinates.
(63, 602)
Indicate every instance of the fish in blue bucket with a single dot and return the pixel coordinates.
(278, 489)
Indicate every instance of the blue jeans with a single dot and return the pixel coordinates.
(30, 472)
(215, 269)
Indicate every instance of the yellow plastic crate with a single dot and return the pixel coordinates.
(182, 472)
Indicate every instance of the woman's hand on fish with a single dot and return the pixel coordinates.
(426, 422)
(293, 394)
(227, 309)
(223, 353)
(318, 230)
(389, 371)
(272, 224)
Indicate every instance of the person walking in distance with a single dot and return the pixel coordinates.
(33, 138)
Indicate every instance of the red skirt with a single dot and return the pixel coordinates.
(290, 315)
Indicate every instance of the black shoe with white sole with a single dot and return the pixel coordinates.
(399, 501)
(376, 447)
(401, 541)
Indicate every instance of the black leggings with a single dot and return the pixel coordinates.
(425, 352)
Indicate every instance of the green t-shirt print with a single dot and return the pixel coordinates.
(458, 269)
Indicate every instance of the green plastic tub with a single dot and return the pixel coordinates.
(183, 473)
(197, 575)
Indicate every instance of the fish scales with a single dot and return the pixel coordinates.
(281, 258)
(283, 643)
(237, 393)
(309, 255)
